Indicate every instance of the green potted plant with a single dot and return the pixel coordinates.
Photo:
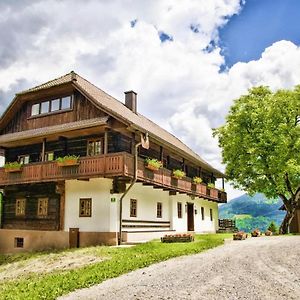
(211, 185)
(178, 174)
(197, 180)
(13, 167)
(153, 164)
(68, 160)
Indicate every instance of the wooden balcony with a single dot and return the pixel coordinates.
(110, 165)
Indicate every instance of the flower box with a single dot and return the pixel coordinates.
(240, 235)
(13, 167)
(67, 161)
(256, 233)
(177, 238)
(153, 164)
(178, 174)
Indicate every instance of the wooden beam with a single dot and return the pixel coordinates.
(106, 141)
(43, 150)
(61, 190)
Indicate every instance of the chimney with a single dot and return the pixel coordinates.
(130, 100)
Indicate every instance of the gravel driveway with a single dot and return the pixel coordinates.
(257, 268)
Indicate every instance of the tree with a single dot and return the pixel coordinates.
(260, 144)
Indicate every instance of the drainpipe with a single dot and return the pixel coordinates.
(129, 188)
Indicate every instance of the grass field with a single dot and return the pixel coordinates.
(116, 261)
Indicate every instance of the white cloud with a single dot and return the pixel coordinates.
(179, 83)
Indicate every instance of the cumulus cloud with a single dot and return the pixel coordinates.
(117, 45)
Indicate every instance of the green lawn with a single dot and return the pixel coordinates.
(121, 260)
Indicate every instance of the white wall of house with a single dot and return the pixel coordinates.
(147, 198)
(105, 207)
(102, 208)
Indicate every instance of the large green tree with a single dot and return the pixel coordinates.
(260, 144)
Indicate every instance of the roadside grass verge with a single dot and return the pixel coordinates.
(122, 260)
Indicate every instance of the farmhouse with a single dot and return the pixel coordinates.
(82, 168)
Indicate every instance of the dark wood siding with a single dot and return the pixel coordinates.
(82, 109)
(31, 221)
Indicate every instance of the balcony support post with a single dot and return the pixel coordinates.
(106, 141)
(43, 150)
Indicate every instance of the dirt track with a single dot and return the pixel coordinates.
(258, 268)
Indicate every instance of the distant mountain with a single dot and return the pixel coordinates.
(252, 212)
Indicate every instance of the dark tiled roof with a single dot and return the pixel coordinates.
(44, 131)
(118, 109)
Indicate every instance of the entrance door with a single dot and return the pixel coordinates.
(190, 216)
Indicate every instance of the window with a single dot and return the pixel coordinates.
(35, 109)
(85, 207)
(19, 242)
(49, 156)
(45, 107)
(133, 207)
(42, 207)
(55, 104)
(66, 102)
(20, 207)
(202, 213)
(24, 159)
(159, 210)
(211, 214)
(94, 147)
(179, 210)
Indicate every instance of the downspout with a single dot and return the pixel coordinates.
(129, 188)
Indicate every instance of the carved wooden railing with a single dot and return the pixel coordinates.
(110, 165)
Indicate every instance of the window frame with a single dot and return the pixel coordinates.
(23, 157)
(44, 202)
(94, 141)
(202, 213)
(159, 210)
(46, 156)
(86, 212)
(20, 210)
(50, 111)
(133, 208)
(179, 210)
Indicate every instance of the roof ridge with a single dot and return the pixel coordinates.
(42, 85)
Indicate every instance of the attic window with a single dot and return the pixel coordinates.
(52, 106)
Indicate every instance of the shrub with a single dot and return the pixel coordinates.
(211, 185)
(13, 165)
(154, 163)
(197, 180)
(67, 157)
(178, 174)
(272, 227)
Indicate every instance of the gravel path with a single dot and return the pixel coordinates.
(257, 268)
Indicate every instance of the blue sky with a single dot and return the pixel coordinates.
(259, 25)
(187, 60)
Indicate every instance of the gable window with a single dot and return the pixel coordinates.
(179, 210)
(211, 214)
(202, 213)
(20, 207)
(94, 147)
(45, 107)
(85, 207)
(24, 159)
(55, 104)
(133, 207)
(66, 102)
(35, 109)
(42, 207)
(51, 106)
(159, 210)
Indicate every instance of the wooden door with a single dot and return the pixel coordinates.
(190, 216)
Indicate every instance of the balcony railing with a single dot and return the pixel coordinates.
(110, 165)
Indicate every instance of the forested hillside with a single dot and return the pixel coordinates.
(252, 212)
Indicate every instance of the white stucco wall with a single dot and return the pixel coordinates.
(103, 210)
(147, 198)
(105, 207)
